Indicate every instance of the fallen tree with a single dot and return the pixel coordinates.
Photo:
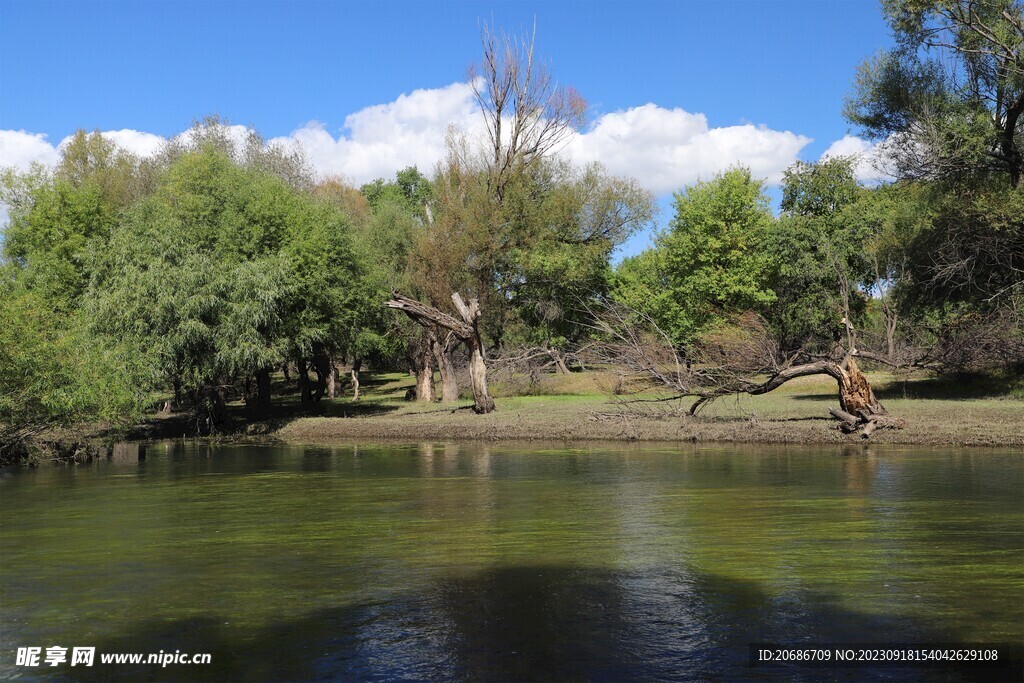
(742, 358)
(465, 330)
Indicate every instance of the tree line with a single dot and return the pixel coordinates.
(206, 269)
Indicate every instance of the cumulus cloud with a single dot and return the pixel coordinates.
(19, 149)
(865, 155)
(664, 149)
(379, 140)
(137, 142)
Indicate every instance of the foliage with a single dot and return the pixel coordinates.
(53, 371)
(713, 259)
(410, 190)
(224, 272)
(948, 100)
(61, 221)
(818, 250)
(947, 106)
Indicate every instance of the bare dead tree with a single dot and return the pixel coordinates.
(527, 114)
(538, 359)
(744, 359)
(465, 330)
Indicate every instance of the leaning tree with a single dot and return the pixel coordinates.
(465, 330)
(741, 358)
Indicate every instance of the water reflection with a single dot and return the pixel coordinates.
(467, 562)
(549, 623)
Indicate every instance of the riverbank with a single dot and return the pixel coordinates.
(581, 407)
(575, 409)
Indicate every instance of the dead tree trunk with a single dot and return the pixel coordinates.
(860, 410)
(559, 361)
(443, 355)
(726, 367)
(424, 367)
(466, 330)
(356, 364)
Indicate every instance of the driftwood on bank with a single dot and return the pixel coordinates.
(466, 330)
(728, 365)
(860, 412)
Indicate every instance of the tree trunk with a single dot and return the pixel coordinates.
(443, 355)
(356, 364)
(465, 329)
(424, 368)
(560, 365)
(305, 387)
(861, 410)
(482, 401)
(218, 407)
(262, 405)
(322, 366)
(890, 335)
(332, 379)
(855, 395)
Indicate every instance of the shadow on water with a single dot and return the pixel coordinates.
(551, 623)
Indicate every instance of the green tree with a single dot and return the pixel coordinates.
(55, 372)
(715, 257)
(948, 100)
(226, 271)
(582, 216)
(948, 105)
(819, 248)
(59, 221)
(410, 189)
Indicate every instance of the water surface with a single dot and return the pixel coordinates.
(512, 562)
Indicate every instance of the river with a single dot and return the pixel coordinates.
(508, 562)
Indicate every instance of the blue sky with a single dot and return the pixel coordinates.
(677, 89)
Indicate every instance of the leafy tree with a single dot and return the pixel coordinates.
(61, 220)
(642, 284)
(583, 215)
(54, 372)
(245, 147)
(715, 256)
(819, 248)
(948, 100)
(948, 104)
(410, 190)
(348, 199)
(223, 273)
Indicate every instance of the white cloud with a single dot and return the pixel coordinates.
(379, 140)
(136, 142)
(19, 149)
(865, 155)
(666, 149)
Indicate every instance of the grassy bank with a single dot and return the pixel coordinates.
(579, 407)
